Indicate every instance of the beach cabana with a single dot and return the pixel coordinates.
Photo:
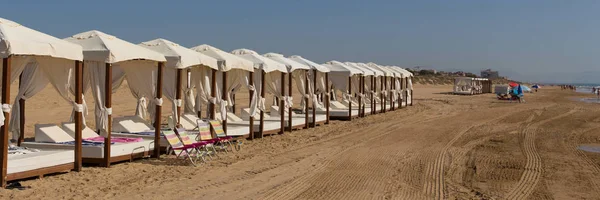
(397, 86)
(344, 79)
(366, 87)
(384, 85)
(299, 73)
(234, 72)
(179, 61)
(320, 80)
(271, 79)
(39, 59)
(108, 61)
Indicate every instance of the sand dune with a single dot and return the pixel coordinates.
(444, 147)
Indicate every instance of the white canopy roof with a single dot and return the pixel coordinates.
(102, 47)
(290, 64)
(366, 71)
(386, 72)
(226, 60)
(260, 62)
(16, 39)
(397, 73)
(404, 71)
(311, 64)
(336, 66)
(180, 57)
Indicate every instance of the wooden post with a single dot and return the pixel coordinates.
(108, 105)
(289, 96)
(360, 97)
(262, 112)
(251, 94)
(314, 104)
(223, 98)
(373, 90)
(382, 79)
(350, 98)
(78, 115)
(281, 103)
(178, 96)
(6, 62)
(22, 115)
(411, 96)
(213, 94)
(392, 92)
(158, 116)
(305, 97)
(328, 97)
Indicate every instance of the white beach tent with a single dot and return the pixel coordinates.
(179, 60)
(298, 72)
(271, 79)
(37, 56)
(341, 78)
(370, 87)
(397, 85)
(320, 78)
(108, 60)
(232, 69)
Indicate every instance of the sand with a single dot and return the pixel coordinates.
(444, 147)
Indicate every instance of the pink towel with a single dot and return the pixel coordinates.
(114, 139)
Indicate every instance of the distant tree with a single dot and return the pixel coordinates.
(426, 72)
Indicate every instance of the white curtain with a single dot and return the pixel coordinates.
(238, 78)
(300, 78)
(18, 63)
(189, 98)
(33, 81)
(320, 89)
(201, 79)
(355, 86)
(85, 88)
(273, 86)
(258, 102)
(97, 74)
(170, 88)
(368, 90)
(141, 77)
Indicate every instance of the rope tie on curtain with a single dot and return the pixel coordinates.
(178, 102)
(104, 113)
(213, 100)
(77, 107)
(158, 101)
(288, 101)
(251, 87)
(6, 108)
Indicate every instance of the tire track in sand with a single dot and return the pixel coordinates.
(533, 168)
(437, 187)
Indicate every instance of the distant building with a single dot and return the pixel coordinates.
(488, 73)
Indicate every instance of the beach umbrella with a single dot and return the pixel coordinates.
(513, 84)
(536, 86)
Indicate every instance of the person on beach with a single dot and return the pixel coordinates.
(517, 93)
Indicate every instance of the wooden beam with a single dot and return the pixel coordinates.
(314, 104)
(382, 89)
(305, 97)
(262, 112)
(178, 91)
(373, 90)
(108, 105)
(251, 94)
(281, 103)
(360, 78)
(289, 95)
(328, 97)
(22, 115)
(158, 116)
(223, 98)
(350, 98)
(213, 94)
(78, 115)
(6, 62)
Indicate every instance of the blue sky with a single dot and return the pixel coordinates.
(549, 41)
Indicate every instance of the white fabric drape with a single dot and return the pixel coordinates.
(273, 85)
(258, 102)
(236, 79)
(320, 89)
(170, 88)
(141, 77)
(97, 74)
(33, 81)
(300, 78)
(189, 97)
(18, 63)
(201, 80)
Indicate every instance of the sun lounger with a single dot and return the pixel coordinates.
(182, 152)
(88, 135)
(50, 136)
(297, 120)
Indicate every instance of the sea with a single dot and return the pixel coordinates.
(588, 88)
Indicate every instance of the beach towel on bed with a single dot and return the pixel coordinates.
(83, 142)
(114, 139)
(148, 132)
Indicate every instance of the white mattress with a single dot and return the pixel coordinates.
(116, 149)
(37, 160)
(237, 130)
(341, 113)
(268, 125)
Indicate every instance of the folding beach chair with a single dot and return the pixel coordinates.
(201, 146)
(181, 151)
(221, 135)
